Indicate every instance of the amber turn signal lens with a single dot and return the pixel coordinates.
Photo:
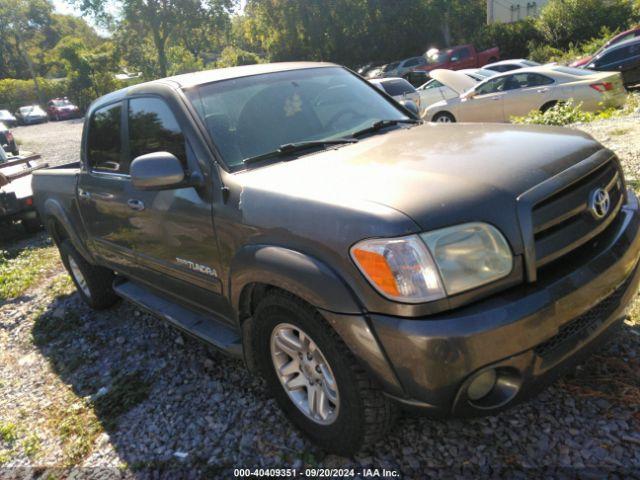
(378, 270)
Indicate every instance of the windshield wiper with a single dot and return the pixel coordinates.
(289, 148)
(380, 124)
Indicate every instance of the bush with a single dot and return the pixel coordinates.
(565, 22)
(567, 113)
(15, 93)
(560, 114)
(512, 38)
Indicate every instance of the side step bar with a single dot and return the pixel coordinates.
(206, 328)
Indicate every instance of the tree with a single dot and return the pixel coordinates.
(160, 20)
(22, 21)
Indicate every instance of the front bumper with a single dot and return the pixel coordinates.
(529, 334)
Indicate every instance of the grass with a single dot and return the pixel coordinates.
(76, 425)
(20, 271)
(8, 432)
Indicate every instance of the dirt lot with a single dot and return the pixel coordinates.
(120, 394)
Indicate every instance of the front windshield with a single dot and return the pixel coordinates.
(25, 110)
(255, 115)
(61, 103)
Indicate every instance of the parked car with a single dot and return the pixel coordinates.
(419, 79)
(623, 57)
(434, 91)
(30, 115)
(457, 58)
(621, 37)
(398, 88)
(404, 66)
(16, 194)
(7, 141)
(292, 215)
(375, 72)
(8, 119)
(62, 109)
(508, 65)
(517, 93)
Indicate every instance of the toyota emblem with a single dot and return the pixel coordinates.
(599, 203)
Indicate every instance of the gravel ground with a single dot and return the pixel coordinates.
(120, 394)
(57, 142)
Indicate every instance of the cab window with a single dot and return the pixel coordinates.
(154, 128)
(104, 148)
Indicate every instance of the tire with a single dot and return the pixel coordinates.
(32, 225)
(548, 106)
(443, 117)
(361, 413)
(15, 152)
(94, 283)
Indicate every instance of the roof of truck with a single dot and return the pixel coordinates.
(207, 76)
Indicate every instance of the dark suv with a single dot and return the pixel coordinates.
(296, 216)
(623, 57)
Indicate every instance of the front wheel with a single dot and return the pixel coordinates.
(94, 283)
(315, 379)
(444, 117)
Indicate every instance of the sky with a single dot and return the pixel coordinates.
(62, 6)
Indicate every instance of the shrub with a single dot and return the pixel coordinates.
(560, 114)
(512, 38)
(16, 93)
(232, 56)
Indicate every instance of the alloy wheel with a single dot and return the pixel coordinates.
(79, 277)
(304, 373)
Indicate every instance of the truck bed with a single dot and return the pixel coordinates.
(57, 184)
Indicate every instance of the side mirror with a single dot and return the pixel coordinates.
(411, 106)
(157, 171)
(470, 95)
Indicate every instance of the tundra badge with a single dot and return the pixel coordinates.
(196, 267)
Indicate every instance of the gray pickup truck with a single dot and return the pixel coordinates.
(297, 217)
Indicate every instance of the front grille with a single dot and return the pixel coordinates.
(585, 324)
(563, 221)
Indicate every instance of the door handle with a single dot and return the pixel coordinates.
(543, 90)
(136, 205)
(83, 194)
(495, 99)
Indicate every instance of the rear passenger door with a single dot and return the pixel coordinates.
(172, 230)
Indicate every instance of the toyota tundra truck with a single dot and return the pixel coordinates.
(297, 217)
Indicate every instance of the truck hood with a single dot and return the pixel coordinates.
(435, 174)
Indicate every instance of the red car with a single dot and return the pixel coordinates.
(621, 37)
(457, 58)
(62, 109)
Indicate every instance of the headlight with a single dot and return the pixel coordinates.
(399, 268)
(469, 255)
(430, 266)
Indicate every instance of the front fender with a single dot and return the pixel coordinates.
(53, 211)
(293, 271)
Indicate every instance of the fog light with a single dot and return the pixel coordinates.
(482, 385)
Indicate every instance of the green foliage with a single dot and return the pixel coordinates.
(560, 114)
(15, 93)
(233, 56)
(514, 39)
(563, 22)
(568, 112)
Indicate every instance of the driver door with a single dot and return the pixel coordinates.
(487, 105)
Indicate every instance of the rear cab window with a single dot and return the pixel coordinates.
(104, 146)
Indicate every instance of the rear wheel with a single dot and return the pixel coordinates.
(548, 106)
(444, 117)
(94, 283)
(315, 379)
